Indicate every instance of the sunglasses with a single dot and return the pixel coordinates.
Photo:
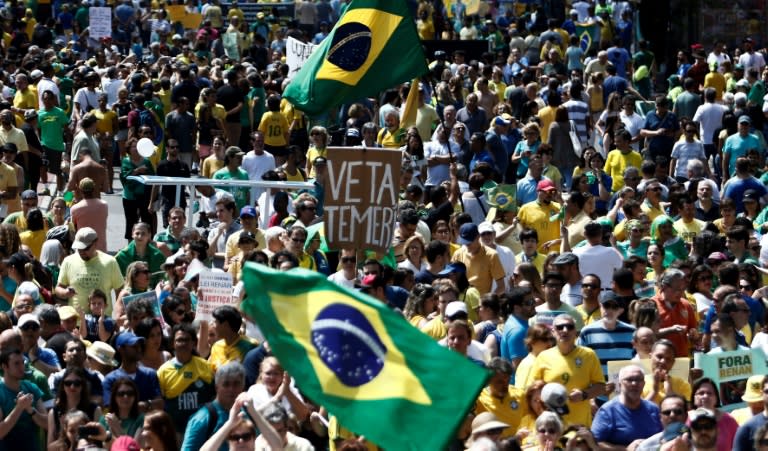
(703, 425)
(568, 326)
(125, 394)
(241, 437)
(73, 383)
(669, 412)
(348, 259)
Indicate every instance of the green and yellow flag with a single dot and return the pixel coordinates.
(376, 373)
(373, 46)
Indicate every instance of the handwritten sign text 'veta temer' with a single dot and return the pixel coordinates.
(352, 172)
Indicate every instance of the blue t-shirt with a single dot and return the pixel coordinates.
(619, 57)
(615, 423)
(737, 146)
(145, 379)
(745, 435)
(608, 345)
(513, 340)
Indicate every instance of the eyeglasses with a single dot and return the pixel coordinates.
(567, 326)
(24, 306)
(668, 412)
(348, 259)
(241, 437)
(30, 326)
(125, 394)
(547, 431)
(589, 286)
(73, 383)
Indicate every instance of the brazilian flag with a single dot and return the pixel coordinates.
(373, 46)
(380, 376)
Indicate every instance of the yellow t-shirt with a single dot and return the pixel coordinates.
(482, 268)
(221, 353)
(679, 387)
(210, 165)
(174, 380)
(715, 80)
(523, 372)
(536, 216)
(589, 317)
(313, 153)
(547, 116)
(217, 111)
(538, 261)
(26, 100)
(510, 409)
(617, 162)
(231, 248)
(390, 140)
(34, 240)
(104, 123)
(578, 370)
(687, 231)
(274, 126)
(652, 212)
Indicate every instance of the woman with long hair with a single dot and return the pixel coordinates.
(124, 417)
(527, 272)
(527, 430)
(215, 160)
(208, 127)
(154, 354)
(158, 432)
(421, 304)
(136, 281)
(413, 150)
(526, 148)
(564, 157)
(700, 287)
(58, 212)
(141, 249)
(538, 338)
(73, 393)
(655, 256)
(67, 437)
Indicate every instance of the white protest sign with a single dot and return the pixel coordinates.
(100, 22)
(216, 290)
(296, 54)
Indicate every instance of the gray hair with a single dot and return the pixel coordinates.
(548, 418)
(670, 276)
(626, 369)
(631, 170)
(695, 167)
(229, 371)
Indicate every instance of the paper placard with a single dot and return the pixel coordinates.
(99, 22)
(150, 296)
(215, 290)
(297, 53)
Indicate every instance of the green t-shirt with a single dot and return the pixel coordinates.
(258, 108)
(239, 193)
(52, 123)
(133, 190)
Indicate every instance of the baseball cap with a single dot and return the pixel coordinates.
(546, 185)
(701, 415)
(29, 115)
(468, 233)
(607, 297)
(37, 73)
(454, 308)
(125, 443)
(28, 194)
(320, 161)
(453, 267)
(498, 120)
(555, 398)
(566, 258)
(742, 84)
(26, 319)
(127, 339)
(246, 237)
(485, 227)
(249, 211)
(717, 256)
(371, 281)
(754, 389)
(752, 195)
(84, 238)
(352, 133)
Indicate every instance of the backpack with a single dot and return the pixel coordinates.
(146, 117)
(213, 418)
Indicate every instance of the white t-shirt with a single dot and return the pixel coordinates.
(258, 392)
(633, 124)
(339, 279)
(599, 260)
(256, 166)
(710, 118)
(507, 258)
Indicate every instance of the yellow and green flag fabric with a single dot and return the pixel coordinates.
(373, 46)
(380, 376)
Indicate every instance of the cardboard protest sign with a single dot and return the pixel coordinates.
(730, 371)
(150, 296)
(216, 290)
(361, 198)
(100, 22)
(296, 53)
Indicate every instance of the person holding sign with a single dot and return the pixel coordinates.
(660, 382)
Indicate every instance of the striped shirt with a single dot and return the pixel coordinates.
(609, 345)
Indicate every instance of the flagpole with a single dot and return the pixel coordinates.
(445, 130)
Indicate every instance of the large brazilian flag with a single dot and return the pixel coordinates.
(373, 46)
(380, 376)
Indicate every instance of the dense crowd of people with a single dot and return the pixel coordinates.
(637, 230)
